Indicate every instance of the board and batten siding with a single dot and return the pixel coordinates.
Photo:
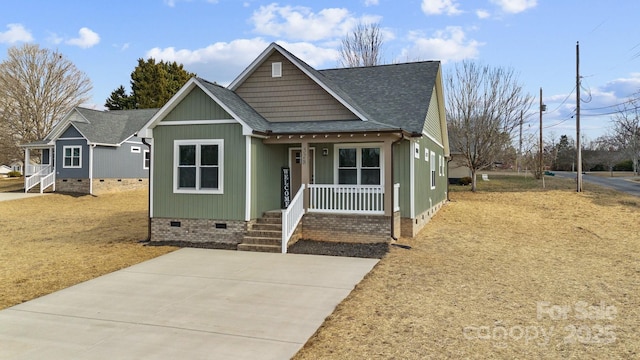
(402, 174)
(432, 124)
(197, 106)
(227, 206)
(291, 97)
(119, 162)
(426, 197)
(267, 163)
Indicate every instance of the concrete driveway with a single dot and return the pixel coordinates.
(189, 304)
(5, 196)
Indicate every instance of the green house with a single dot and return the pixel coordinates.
(288, 152)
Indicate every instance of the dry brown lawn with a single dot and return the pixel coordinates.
(504, 274)
(52, 242)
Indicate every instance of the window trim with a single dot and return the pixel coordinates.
(358, 167)
(198, 144)
(433, 170)
(276, 69)
(64, 156)
(144, 159)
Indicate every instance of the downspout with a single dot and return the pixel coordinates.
(148, 239)
(91, 147)
(393, 183)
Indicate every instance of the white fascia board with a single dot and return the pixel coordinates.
(252, 67)
(146, 130)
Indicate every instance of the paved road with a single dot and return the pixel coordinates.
(623, 184)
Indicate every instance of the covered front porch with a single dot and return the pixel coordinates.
(42, 174)
(339, 187)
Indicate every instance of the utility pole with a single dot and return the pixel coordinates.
(519, 162)
(541, 165)
(578, 145)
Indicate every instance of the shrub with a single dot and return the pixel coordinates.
(14, 174)
(465, 181)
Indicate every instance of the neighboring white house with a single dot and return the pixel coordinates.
(4, 170)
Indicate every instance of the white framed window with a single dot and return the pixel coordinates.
(276, 69)
(198, 166)
(433, 170)
(441, 165)
(359, 164)
(146, 159)
(416, 150)
(72, 157)
(135, 149)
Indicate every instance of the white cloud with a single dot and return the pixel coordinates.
(16, 33)
(437, 7)
(445, 45)
(224, 61)
(515, 6)
(482, 14)
(301, 23)
(371, 2)
(87, 38)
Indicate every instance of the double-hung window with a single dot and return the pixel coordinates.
(198, 166)
(433, 170)
(359, 165)
(72, 157)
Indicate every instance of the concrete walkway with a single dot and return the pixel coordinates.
(189, 304)
(5, 196)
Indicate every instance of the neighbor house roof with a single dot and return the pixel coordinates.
(109, 128)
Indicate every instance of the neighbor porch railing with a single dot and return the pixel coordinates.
(346, 199)
(291, 217)
(45, 173)
(34, 169)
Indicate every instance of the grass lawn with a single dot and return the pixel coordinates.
(52, 242)
(11, 184)
(512, 271)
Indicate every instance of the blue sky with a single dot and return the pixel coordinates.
(217, 39)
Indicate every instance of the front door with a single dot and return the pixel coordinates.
(295, 164)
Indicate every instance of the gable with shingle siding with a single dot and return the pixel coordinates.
(291, 97)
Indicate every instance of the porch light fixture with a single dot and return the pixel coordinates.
(325, 151)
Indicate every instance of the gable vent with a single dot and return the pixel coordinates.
(276, 69)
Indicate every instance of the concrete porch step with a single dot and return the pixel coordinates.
(257, 240)
(259, 248)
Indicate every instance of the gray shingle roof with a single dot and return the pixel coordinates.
(237, 105)
(112, 127)
(390, 97)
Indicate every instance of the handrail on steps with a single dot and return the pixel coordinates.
(291, 217)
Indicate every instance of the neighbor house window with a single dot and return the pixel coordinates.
(146, 159)
(198, 166)
(433, 170)
(72, 157)
(359, 165)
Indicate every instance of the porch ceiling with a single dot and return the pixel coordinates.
(334, 137)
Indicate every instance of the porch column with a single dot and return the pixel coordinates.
(388, 178)
(304, 162)
(27, 155)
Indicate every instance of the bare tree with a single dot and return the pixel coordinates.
(484, 106)
(626, 130)
(362, 46)
(37, 87)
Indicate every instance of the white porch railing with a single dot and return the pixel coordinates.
(346, 199)
(48, 180)
(34, 169)
(396, 197)
(45, 173)
(291, 217)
